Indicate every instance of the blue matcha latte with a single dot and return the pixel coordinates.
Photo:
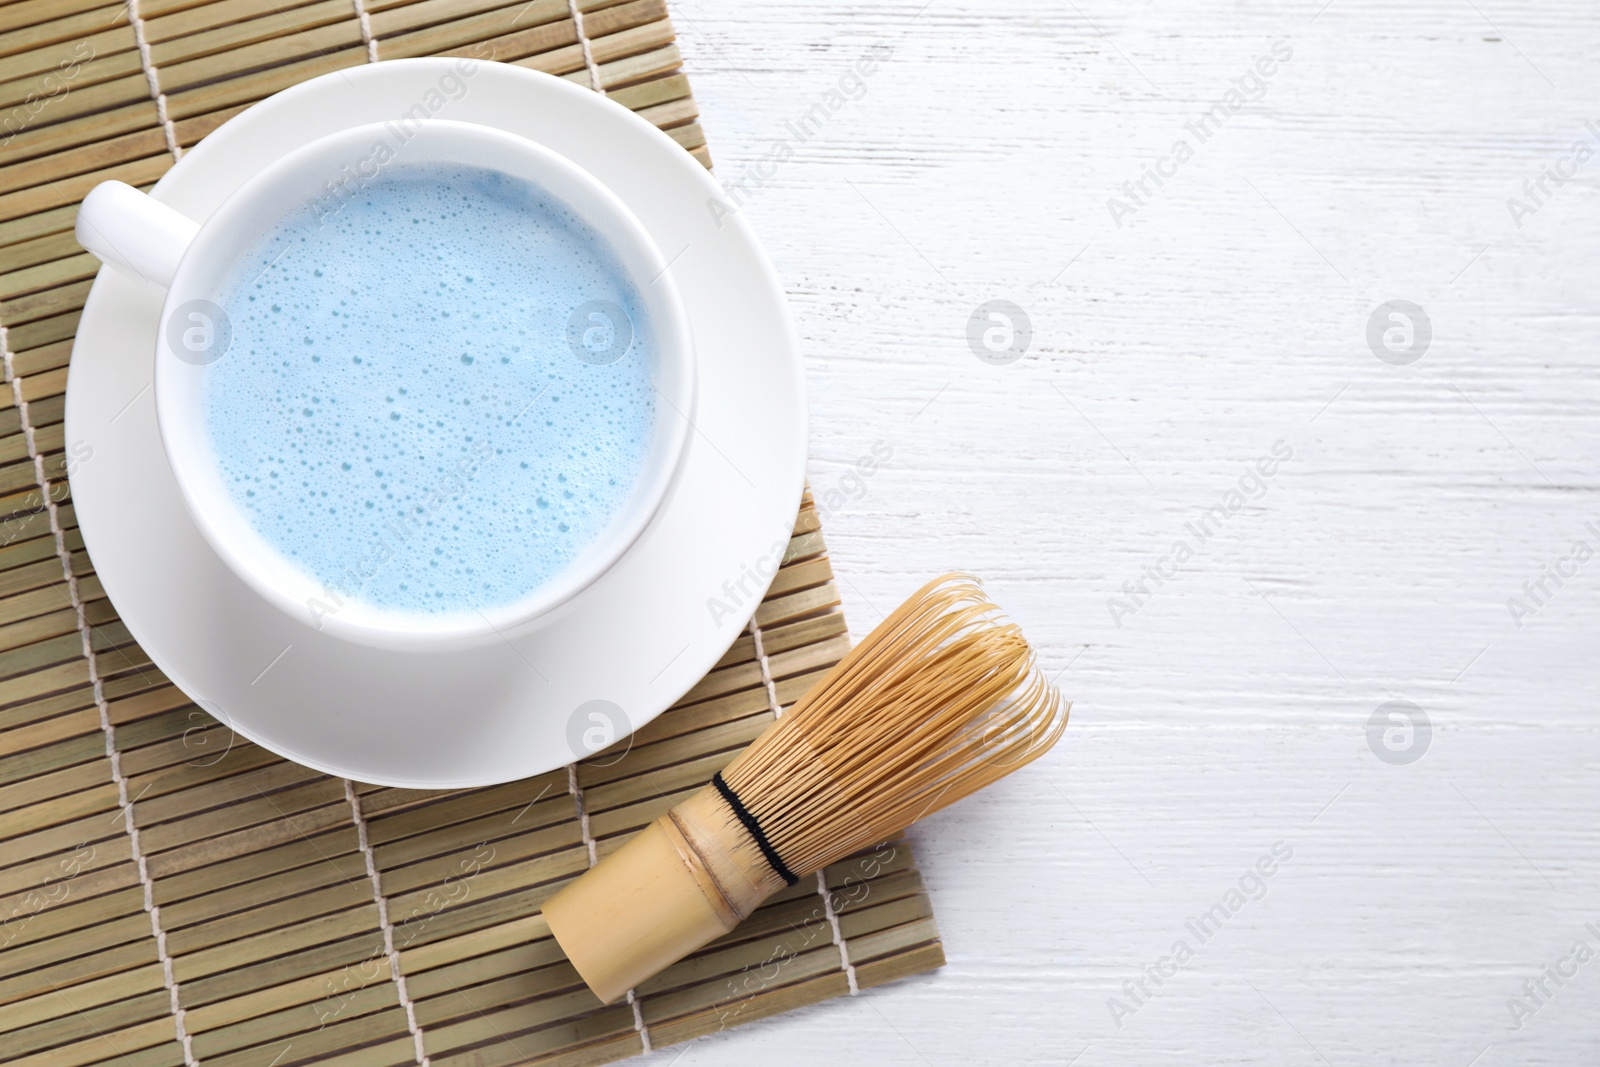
(409, 409)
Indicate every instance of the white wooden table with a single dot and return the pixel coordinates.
(1228, 709)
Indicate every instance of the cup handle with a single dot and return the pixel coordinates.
(130, 230)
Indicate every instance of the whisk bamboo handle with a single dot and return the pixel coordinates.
(680, 883)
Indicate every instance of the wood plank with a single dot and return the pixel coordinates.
(484, 912)
(291, 911)
(739, 1011)
(553, 823)
(64, 754)
(611, 1029)
(44, 305)
(531, 802)
(71, 190)
(65, 974)
(100, 939)
(782, 638)
(79, 23)
(553, 40)
(38, 628)
(542, 996)
(239, 861)
(522, 930)
(894, 940)
(85, 159)
(222, 27)
(72, 912)
(642, 53)
(324, 43)
(366, 998)
(263, 808)
(660, 91)
(109, 80)
(508, 1025)
(796, 686)
(268, 887)
(301, 825)
(249, 88)
(156, 1032)
(57, 327)
(30, 12)
(419, 893)
(40, 789)
(602, 801)
(676, 723)
(651, 804)
(40, 387)
(471, 970)
(141, 705)
(60, 703)
(264, 782)
(66, 53)
(85, 996)
(787, 608)
(46, 358)
(727, 738)
(890, 968)
(207, 751)
(325, 1046)
(742, 676)
(358, 923)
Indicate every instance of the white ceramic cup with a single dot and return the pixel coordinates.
(132, 231)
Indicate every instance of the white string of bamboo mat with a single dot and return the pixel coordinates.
(359, 817)
(572, 769)
(366, 31)
(832, 916)
(153, 79)
(588, 49)
(588, 843)
(85, 636)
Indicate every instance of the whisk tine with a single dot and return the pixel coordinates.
(941, 699)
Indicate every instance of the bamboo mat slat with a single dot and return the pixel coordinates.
(304, 918)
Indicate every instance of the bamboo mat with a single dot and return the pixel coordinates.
(172, 895)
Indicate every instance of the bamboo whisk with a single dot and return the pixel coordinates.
(941, 699)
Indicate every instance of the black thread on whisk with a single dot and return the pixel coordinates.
(754, 826)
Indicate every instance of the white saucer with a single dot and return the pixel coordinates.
(639, 638)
